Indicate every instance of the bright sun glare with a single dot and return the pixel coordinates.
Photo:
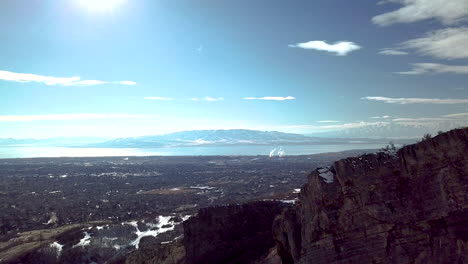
(101, 5)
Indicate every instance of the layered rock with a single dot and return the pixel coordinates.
(406, 207)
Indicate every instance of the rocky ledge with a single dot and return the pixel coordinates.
(404, 207)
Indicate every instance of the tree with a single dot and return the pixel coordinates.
(426, 137)
(389, 149)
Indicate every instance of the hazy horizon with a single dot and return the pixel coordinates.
(120, 68)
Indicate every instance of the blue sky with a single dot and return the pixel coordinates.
(118, 68)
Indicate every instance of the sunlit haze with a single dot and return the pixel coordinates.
(116, 68)
(101, 5)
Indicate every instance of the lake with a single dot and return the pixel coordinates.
(36, 152)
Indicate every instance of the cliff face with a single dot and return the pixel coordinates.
(230, 234)
(407, 207)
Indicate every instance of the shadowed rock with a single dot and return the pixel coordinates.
(380, 208)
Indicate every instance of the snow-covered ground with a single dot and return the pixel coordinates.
(326, 175)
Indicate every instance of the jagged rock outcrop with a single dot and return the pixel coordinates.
(231, 234)
(407, 207)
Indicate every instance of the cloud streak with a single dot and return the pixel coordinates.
(425, 68)
(63, 117)
(328, 121)
(271, 98)
(50, 80)
(448, 43)
(448, 12)
(393, 52)
(389, 100)
(341, 48)
(207, 99)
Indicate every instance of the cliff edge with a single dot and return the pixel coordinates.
(404, 207)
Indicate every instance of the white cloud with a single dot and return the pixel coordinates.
(158, 98)
(351, 125)
(392, 52)
(208, 99)
(415, 100)
(328, 121)
(448, 43)
(423, 68)
(446, 11)
(271, 98)
(380, 117)
(58, 117)
(213, 99)
(419, 119)
(341, 48)
(50, 80)
(335, 126)
(127, 83)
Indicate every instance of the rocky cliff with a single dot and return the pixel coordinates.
(231, 234)
(403, 207)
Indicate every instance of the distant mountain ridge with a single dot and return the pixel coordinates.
(223, 138)
(211, 138)
(231, 137)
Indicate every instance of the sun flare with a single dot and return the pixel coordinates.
(101, 5)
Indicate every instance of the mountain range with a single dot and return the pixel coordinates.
(366, 134)
(226, 138)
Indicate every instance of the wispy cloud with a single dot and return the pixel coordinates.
(448, 12)
(208, 99)
(158, 98)
(458, 115)
(50, 80)
(58, 117)
(448, 43)
(419, 119)
(423, 68)
(328, 121)
(393, 52)
(380, 117)
(342, 126)
(389, 100)
(351, 125)
(127, 83)
(271, 98)
(341, 48)
(336, 126)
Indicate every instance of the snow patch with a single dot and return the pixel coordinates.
(202, 187)
(57, 246)
(131, 223)
(289, 201)
(162, 221)
(84, 241)
(185, 218)
(326, 175)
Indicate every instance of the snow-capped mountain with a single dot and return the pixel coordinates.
(218, 138)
